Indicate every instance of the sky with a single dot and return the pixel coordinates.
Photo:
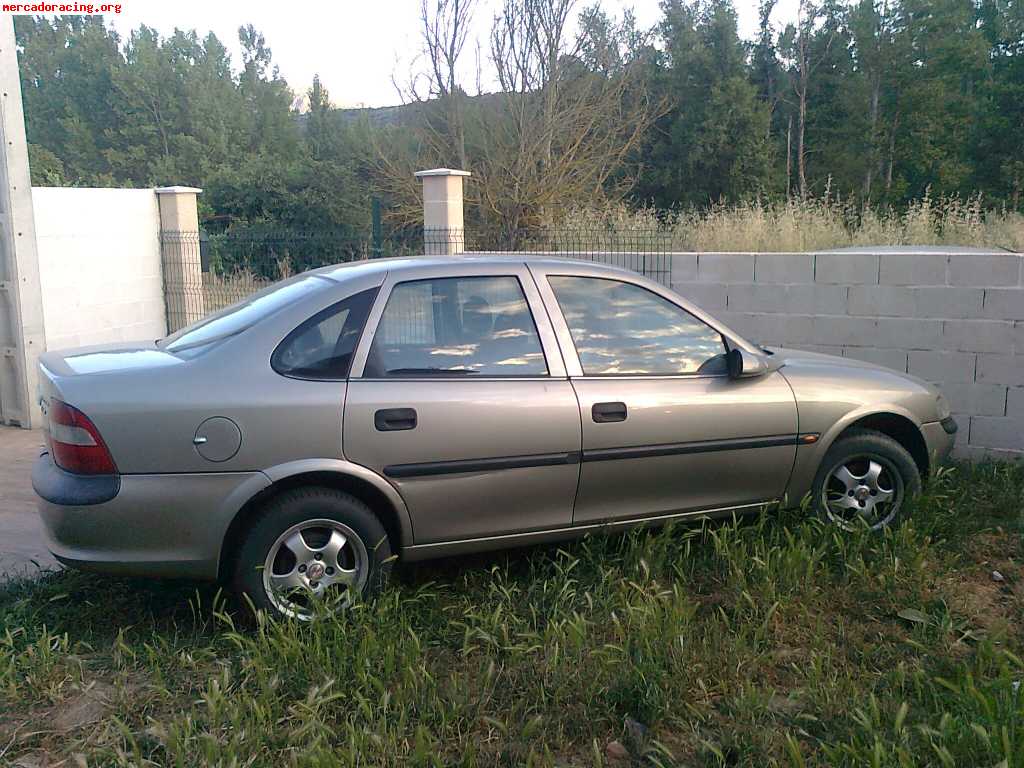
(360, 48)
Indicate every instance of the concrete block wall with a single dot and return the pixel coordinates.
(954, 317)
(99, 265)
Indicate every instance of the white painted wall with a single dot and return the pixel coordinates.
(99, 265)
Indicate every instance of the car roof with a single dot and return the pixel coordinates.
(342, 272)
(587, 262)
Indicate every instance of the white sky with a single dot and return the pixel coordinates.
(357, 46)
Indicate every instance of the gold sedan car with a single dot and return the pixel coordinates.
(292, 444)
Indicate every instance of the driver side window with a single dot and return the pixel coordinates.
(623, 329)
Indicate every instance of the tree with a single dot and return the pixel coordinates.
(712, 143)
(67, 66)
(871, 27)
(996, 158)
(797, 42)
(881, 100)
(765, 70)
(558, 131)
(445, 29)
(266, 95)
(836, 121)
(319, 128)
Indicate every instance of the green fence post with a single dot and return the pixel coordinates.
(378, 240)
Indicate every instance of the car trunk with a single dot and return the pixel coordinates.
(112, 385)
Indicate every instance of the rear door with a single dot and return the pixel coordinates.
(665, 430)
(459, 397)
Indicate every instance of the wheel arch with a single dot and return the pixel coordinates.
(889, 419)
(344, 476)
(900, 428)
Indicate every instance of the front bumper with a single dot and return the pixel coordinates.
(939, 438)
(153, 525)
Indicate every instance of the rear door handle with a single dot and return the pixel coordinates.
(603, 413)
(394, 419)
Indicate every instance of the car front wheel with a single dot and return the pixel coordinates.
(866, 478)
(311, 551)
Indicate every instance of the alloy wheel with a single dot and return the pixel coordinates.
(865, 489)
(312, 562)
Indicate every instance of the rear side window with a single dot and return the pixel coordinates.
(457, 326)
(238, 317)
(322, 347)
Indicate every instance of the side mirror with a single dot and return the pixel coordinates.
(742, 364)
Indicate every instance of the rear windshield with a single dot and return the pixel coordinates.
(238, 317)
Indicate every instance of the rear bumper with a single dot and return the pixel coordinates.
(154, 525)
(53, 484)
(939, 437)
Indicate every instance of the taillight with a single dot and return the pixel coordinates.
(76, 443)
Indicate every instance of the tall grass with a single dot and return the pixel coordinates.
(772, 642)
(806, 225)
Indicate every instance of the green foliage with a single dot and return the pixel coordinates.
(712, 143)
(904, 100)
(155, 111)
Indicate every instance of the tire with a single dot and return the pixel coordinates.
(309, 546)
(859, 495)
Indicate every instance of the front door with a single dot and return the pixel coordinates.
(665, 430)
(459, 397)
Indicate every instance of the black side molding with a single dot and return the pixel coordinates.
(696, 446)
(427, 468)
(56, 486)
(949, 425)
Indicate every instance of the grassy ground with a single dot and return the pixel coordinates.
(776, 641)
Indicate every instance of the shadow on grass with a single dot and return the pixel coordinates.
(963, 499)
(94, 607)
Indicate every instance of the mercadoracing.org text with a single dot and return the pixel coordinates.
(82, 8)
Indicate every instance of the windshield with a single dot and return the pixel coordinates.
(238, 317)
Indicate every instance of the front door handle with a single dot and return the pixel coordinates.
(394, 419)
(603, 413)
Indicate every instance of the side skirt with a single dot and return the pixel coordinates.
(419, 552)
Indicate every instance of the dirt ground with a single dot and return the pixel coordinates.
(22, 550)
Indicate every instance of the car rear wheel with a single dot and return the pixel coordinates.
(312, 551)
(866, 478)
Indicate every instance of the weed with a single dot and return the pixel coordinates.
(777, 640)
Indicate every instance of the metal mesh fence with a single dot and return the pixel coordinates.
(205, 272)
(645, 251)
(184, 289)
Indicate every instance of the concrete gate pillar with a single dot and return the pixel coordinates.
(443, 233)
(182, 264)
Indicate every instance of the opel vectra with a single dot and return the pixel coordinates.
(293, 444)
